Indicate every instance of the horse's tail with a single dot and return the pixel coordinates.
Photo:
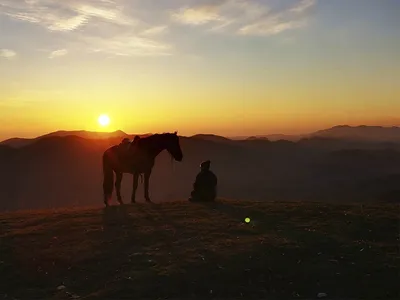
(108, 176)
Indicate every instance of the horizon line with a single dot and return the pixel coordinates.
(196, 134)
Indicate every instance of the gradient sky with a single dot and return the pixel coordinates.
(229, 67)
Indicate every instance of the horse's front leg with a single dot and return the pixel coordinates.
(134, 187)
(146, 186)
(118, 181)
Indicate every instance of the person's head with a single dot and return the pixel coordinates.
(205, 165)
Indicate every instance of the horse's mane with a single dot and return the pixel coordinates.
(157, 135)
(153, 138)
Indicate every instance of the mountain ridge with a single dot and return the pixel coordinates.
(345, 132)
(61, 171)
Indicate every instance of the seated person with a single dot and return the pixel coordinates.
(205, 186)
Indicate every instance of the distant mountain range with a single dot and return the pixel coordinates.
(64, 168)
(91, 135)
(273, 137)
(342, 132)
(361, 133)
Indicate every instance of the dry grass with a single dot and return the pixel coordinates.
(196, 251)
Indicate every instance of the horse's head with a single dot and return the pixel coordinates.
(173, 146)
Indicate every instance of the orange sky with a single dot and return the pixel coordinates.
(226, 68)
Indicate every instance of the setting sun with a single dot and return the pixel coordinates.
(104, 120)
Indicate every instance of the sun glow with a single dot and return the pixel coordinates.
(104, 120)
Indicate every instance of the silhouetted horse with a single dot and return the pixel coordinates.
(140, 163)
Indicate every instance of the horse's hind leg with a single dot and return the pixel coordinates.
(118, 182)
(108, 181)
(106, 200)
(134, 186)
(146, 186)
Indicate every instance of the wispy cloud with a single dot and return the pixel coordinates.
(303, 6)
(7, 53)
(198, 15)
(292, 18)
(63, 15)
(58, 53)
(101, 25)
(128, 45)
(271, 26)
(137, 28)
(245, 17)
(156, 30)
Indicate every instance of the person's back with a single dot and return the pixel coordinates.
(205, 186)
(206, 180)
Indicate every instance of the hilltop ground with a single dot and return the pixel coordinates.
(195, 251)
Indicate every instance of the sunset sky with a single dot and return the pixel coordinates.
(229, 67)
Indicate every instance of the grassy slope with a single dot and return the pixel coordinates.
(182, 250)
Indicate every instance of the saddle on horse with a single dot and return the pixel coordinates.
(129, 151)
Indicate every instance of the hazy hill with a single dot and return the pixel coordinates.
(93, 135)
(211, 137)
(5, 150)
(56, 171)
(272, 137)
(361, 133)
(17, 142)
(189, 251)
(88, 134)
(277, 137)
(341, 132)
(251, 138)
(331, 144)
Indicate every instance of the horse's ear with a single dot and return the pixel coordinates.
(176, 132)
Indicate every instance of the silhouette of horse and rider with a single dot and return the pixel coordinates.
(138, 158)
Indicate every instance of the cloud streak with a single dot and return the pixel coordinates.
(197, 16)
(128, 45)
(104, 26)
(156, 30)
(58, 53)
(245, 17)
(7, 53)
(64, 15)
(136, 28)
